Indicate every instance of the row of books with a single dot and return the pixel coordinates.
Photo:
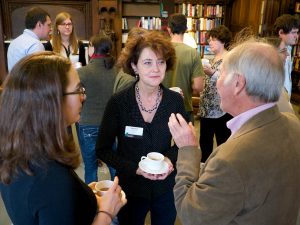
(203, 23)
(149, 23)
(199, 36)
(199, 10)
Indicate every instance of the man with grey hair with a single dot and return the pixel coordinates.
(253, 178)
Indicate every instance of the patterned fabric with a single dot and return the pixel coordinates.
(98, 82)
(209, 98)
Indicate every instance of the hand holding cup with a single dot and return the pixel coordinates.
(112, 198)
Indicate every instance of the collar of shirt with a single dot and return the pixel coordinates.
(31, 33)
(235, 123)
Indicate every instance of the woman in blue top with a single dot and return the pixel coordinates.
(41, 97)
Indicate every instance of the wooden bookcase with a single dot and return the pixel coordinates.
(201, 16)
(144, 14)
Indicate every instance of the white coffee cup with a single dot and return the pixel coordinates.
(77, 65)
(103, 186)
(153, 160)
(176, 89)
(205, 62)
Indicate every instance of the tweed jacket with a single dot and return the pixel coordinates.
(98, 82)
(253, 178)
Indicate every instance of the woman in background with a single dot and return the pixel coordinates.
(212, 118)
(64, 40)
(41, 96)
(138, 117)
(98, 78)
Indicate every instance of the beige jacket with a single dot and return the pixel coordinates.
(252, 179)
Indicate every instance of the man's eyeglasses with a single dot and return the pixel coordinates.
(79, 91)
(66, 24)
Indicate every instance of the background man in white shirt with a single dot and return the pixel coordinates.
(286, 27)
(38, 26)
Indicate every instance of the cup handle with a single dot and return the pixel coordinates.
(143, 157)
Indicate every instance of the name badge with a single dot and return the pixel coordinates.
(136, 132)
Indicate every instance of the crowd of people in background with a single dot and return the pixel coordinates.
(124, 108)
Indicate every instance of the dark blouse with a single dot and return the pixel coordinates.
(52, 196)
(122, 110)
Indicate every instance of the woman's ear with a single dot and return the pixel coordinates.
(134, 68)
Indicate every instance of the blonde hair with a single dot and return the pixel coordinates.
(56, 37)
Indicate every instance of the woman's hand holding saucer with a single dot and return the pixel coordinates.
(157, 176)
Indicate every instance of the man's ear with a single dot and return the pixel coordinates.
(280, 33)
(38, 24)
(240, 83)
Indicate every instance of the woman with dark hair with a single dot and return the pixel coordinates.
(138, 117)
(64, 40)
(41, 97)
(98, 78)
(212, 118)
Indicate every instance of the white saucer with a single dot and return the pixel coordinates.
(123, 198)
(164, 169)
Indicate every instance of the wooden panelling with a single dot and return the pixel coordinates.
(243, 14)
(15, 13)
(3, 69)
(248, 14)
(110, 21)
(84, 13)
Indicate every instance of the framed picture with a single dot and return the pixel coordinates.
(297, 7)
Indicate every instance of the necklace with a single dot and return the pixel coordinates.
(157, 101)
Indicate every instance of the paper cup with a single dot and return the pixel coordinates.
(205, 62)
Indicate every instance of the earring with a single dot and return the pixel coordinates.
(58, 32)
(136, 74)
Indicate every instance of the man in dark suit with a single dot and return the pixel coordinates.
(253, 178)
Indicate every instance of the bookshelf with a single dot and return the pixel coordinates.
(140, 13)
(201, 17)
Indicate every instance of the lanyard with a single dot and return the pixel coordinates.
(68, 51)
